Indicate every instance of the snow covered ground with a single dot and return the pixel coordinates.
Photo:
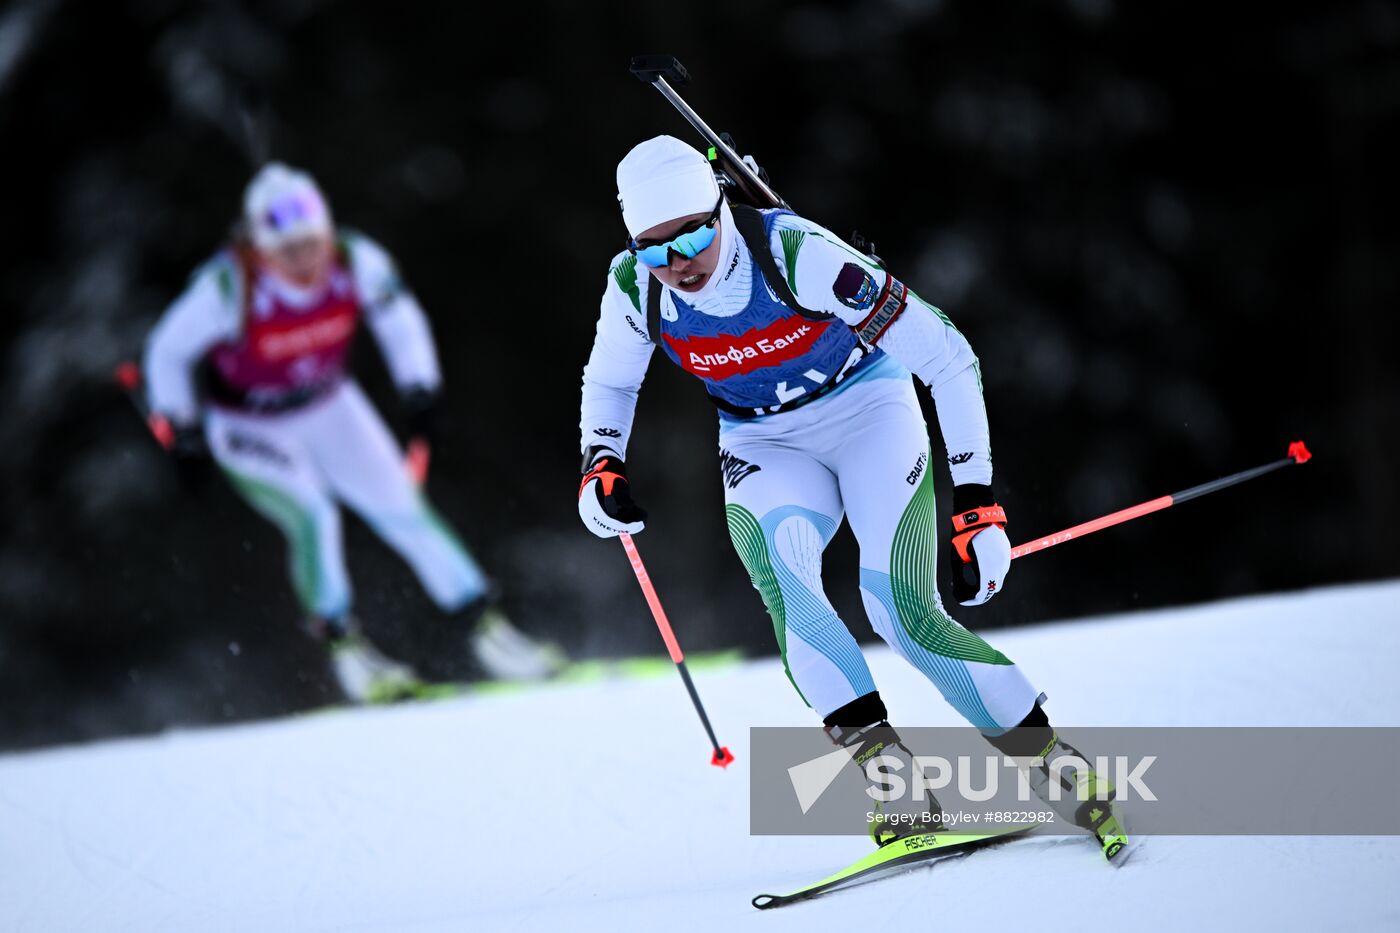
(592, 807)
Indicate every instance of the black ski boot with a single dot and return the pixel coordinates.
(894, 819)
(1065, 779)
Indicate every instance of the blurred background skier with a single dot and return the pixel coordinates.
(268, 322)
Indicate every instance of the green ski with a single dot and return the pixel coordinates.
(896, 857)
(586, 671)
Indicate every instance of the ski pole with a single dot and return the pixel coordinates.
(722, 757)
(128, 376)
(1297, 453)
(416, 459)
(659, 71)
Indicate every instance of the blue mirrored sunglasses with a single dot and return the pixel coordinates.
(689, 244)
(293, 210)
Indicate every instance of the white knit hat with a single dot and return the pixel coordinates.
(282, 204)
(662, 179)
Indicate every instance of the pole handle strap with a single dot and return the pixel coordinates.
(967, 524)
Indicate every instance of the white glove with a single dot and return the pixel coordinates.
(991, 562)
(605, 500)
(980, 555)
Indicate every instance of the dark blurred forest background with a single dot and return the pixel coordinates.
(1168, 230)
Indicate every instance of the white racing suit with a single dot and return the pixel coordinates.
(294, 434)
(296, 468)
(858, 448)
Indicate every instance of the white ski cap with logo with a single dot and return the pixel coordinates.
(662, 179)
(281, 204)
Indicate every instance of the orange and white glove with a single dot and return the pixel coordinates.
(605, 500)
(981, 552)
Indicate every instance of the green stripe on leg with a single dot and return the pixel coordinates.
(298, 527)
(913, 559)
(749, 542)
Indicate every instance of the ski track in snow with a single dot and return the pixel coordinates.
(426, 818)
